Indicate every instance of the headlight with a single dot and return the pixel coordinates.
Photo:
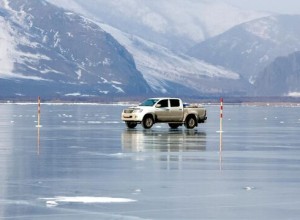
(137, 110)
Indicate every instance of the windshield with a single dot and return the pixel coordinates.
(149, 102)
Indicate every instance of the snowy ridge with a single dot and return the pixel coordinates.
(174, 24)
(158, 64)
(263, 28)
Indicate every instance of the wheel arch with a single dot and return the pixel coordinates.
(190, 114)
(150, 114)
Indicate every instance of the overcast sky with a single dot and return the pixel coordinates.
(278, 6)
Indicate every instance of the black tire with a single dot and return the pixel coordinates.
(174, 125)
(131, 124)
(190, 122)
(148, 121)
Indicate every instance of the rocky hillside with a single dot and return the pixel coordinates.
(280, 78)
(53, 52)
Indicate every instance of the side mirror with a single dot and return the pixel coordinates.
(158, 106)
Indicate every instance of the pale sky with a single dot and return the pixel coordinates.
(277, 6)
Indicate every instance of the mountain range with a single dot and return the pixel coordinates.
(87, 49)
(249, 47)
(176, 25)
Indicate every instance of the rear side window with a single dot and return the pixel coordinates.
(163, 103)
(174, 102)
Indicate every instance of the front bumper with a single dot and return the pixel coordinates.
(131, 117)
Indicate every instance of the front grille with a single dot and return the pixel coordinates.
(128, 110)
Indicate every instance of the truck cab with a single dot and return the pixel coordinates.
(168, 110)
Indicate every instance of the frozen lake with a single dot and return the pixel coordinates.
(83, 163)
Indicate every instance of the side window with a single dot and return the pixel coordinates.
(163, 103)
(174, 102)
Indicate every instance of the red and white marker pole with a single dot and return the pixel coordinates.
(221, 114)
(39, 112)
(221, 130)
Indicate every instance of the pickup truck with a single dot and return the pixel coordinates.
(164, 110)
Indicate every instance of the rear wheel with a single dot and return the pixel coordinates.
(190, 122)
(131, 124)
(148, 121)
(174, 125)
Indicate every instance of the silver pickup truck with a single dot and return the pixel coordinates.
(164, 110)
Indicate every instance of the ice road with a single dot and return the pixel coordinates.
(83, 163)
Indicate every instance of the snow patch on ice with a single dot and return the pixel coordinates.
(111, 122)
(84, 199)
(76, 147)
(51, 203)
(248, 188)
(94, 122)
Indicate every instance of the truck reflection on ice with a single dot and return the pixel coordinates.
(163, 141)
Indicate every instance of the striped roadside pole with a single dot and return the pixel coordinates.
(38, 125)
(39, 111)
(221, 114)
(221, 126)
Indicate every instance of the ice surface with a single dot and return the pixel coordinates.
(71, 168)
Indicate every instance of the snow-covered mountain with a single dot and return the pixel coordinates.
(153, 45)
(248, 48)
(45, 50)
(175, 24)
(172, 73)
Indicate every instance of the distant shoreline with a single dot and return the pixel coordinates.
(251, 101)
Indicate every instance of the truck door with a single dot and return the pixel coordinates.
(162, 110)
(176, 110)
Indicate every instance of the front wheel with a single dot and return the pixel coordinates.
(148, 121)
(190, 122)
(131, 124)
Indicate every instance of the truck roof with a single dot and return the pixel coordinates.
(163, 98)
